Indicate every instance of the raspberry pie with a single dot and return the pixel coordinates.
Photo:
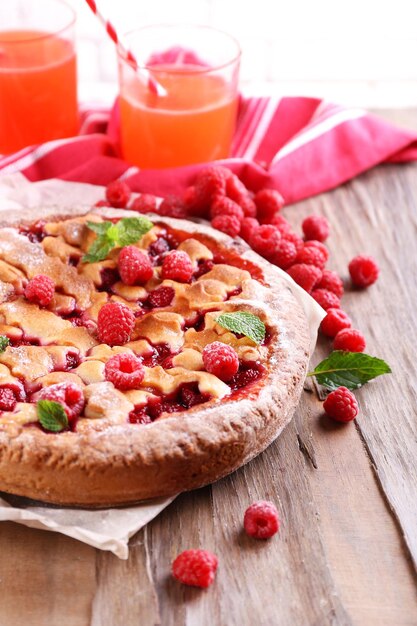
(138, 358)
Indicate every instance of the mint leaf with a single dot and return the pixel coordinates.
(100, 228)
(98, 250)
(4, 342)
(131, 229)
(52, 415)
(348, 369)
(126, 231)
(243, 323)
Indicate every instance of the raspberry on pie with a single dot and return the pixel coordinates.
(161, 397)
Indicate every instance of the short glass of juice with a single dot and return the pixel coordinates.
(190, 116)
(38, 84)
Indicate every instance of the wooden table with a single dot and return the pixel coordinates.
(347, 494)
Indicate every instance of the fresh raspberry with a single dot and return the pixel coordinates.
(7, 399)
(118, 194)
(225, 206)
(349, 340)
(335, 320)
(265, 240)
(161, 297)
(125, 371)
(177, 265)
(172, 206)
(315, 227)
(115, 323)
(285, 255)
(261, 520)
(195, 567)
(145, 203)
(228, 224)
(319, 246)
(102, 203)
(248, 206)
(235, 189)
(40, 290)
(282, 224)
(326, 299)
(268, 202)
(221, 360)
(341, 405)
(192, 205)
(295, 239)
(307, 276)
(210, 183)
(332, 282)
(363, 271)
(311, 256)
(135, 267)
(247, 227)
(68, 394)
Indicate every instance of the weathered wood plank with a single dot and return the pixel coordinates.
(45, 578)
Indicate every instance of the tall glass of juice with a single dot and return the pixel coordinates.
(190, 116)
(38, 89)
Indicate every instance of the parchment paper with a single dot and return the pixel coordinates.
(106, 529)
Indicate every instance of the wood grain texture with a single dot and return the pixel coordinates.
(347, 494)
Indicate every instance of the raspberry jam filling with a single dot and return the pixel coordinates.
(123, 323)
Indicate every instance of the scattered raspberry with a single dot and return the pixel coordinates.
(363, 271)
(135, 267)
(315, 227)
(319, 246)
(335, 320)
(7, 399)
(285, 255)
(115, 323)
(102, 203)
(161, 297)
(311, 256)
(235, 189)
(172, 206)
(341, 405)
(195, 567)
(220, 360)
(326, 299)
(225, 206)
(145, 203)
(177, 265)
(307, 276)
(70, 395)
(261, 520)
(228, 224)
(295, 239)
(350, 340)
(248, 206)
(210, 183)
(281, 223)
(268, 202)
(118, 194)
(265, 240)
(125, 371)
(40, 290)
(332, 282)
(247, 227)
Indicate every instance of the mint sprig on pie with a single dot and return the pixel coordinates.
(52, 415)
(243, 323)
(126, 231)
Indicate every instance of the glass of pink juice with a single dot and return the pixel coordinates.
(193, 119)
(38, 88)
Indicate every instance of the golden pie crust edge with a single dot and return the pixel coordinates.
(129, 463)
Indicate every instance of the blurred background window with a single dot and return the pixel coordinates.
(361, 52)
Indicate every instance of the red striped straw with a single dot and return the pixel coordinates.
(143, 73)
